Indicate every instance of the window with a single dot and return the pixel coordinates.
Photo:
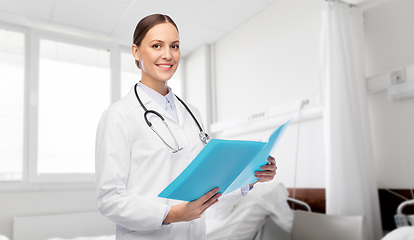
(130, 74)
(50, 108)
(74, 90)
(11, 105)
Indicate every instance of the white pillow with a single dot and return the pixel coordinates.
(242, 219)
(402, 233)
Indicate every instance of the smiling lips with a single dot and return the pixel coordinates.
(165, 67)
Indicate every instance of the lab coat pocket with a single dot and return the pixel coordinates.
(145, 144)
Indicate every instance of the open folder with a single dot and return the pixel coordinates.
(227, 164)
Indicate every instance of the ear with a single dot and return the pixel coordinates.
(135, 52)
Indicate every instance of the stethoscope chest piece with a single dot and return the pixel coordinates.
(205, 138)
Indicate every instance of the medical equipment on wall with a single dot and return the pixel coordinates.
(204, 137)
(399, 83)
(401, 219)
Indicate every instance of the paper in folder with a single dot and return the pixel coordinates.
(227, 164)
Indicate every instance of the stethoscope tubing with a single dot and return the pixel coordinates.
(192, 115)
(203, 136)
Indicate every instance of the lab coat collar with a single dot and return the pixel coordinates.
(160, 99)
(179, 108)
(150, 104)
(145, 99)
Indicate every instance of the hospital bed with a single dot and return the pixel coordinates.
(67, 226)
(263, 214)
(404, 223)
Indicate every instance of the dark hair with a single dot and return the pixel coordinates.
(145, 25)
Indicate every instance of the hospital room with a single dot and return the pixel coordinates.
(304, 109)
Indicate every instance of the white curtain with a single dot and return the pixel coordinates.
(351, 186)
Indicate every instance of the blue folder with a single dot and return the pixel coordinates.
(227, 164)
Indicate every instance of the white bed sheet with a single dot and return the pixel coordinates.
(104, 237)
(402, 233)
(243, 219)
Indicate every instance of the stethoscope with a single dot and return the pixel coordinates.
(204, 137)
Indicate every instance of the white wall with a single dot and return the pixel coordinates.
(389, 36)
(197, 78)
(273, 59)
(270, 60)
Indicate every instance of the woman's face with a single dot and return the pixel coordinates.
(159, 53)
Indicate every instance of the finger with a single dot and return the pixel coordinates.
(268, 167)
(259, 174)
(216, 201)
(266, 178)
(265, 172)
(271, 160)
(211, 201)
(207, 196)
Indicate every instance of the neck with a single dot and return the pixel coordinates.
(159, 86)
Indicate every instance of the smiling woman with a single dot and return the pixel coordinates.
(156, 50)
(136, 158)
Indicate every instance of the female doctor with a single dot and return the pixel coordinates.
(138, 155)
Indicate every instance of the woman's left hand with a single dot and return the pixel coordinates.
(268, 171)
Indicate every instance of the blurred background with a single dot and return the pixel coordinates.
(247, 65)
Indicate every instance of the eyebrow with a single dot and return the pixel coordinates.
(156, 40)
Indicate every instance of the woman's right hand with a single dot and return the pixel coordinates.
(188, 211)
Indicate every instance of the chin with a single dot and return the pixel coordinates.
(165, 77)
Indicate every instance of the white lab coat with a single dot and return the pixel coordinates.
(133, 166)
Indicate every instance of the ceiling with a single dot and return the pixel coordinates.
(199, 21)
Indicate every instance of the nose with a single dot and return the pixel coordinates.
(167, 54)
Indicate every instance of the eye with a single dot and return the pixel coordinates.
(175, 47)
(156, 46)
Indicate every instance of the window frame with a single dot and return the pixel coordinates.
(31, 181)
(25, 31)
(36, 36)
(122, 50)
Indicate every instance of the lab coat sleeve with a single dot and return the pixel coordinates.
(112, 159)
(229, 199)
